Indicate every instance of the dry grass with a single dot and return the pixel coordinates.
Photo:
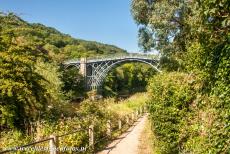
(129, 105)
(146, 140)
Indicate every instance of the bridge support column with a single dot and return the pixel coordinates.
(83, 62)
(83, 70)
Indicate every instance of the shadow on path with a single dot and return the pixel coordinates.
(127, 143)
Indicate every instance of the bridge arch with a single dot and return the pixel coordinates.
(100, 79)
(95, 70)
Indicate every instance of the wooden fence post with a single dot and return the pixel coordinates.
(53, 144)
(119, 124)
(137, 113)
(91, 137)
(127, 119)
(133, 117)
(109, 128)
(145, 108)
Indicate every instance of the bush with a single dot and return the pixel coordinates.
(171, 97)
(184, 118)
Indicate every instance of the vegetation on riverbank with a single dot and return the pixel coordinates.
(97, 113)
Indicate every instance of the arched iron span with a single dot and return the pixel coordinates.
(95, 70)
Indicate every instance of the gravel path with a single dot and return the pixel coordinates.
(128, 142)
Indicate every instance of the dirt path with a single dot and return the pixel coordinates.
(128, 142)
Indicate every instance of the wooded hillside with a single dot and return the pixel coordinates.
(59, 46)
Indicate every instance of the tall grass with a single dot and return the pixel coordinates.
(128, 105)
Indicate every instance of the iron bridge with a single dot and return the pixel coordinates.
(95, 70)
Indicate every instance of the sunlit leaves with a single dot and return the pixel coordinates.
(21, 94)
(171, 95)
(127, 79)
(165, 19)
(145, 39)
(140, 11)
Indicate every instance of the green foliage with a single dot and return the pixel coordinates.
(21, 93)
(59, 46)
(52, 82)
(170, 64)
(164, 28)
(208, 51)
(171, 95)
(30, 77)
(73, 83)
(139, 10)
(166, 20)
(209, 54)
(206, 129)
(127, 79)
(8, 139)
(127, 106)
(85, 114)
(199, 45)
(146, 42)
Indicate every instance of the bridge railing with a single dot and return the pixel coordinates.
(131, 55)
(117, 56)
(55, 148)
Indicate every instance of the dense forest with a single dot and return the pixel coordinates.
(190, 100)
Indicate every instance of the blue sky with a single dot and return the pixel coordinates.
(106, 21)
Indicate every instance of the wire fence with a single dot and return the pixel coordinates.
(53, 139)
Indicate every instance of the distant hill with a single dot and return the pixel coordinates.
(59, 46)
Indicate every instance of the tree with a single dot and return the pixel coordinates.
(165, 19)
(146, 42)
(73, 83)
(21, 94)
(127, 79)
(200, 34)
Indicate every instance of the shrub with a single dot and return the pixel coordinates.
(171, 97)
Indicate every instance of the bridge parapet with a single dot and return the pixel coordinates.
(117, 57)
